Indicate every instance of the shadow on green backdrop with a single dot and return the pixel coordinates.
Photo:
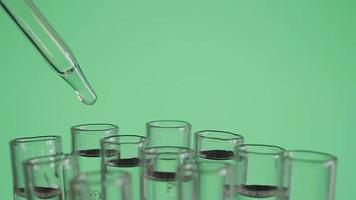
(278, 72)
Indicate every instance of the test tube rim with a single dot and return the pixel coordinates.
(35, 139)
(104, 140)
(279, 152)
(328, 157)
(42, 160)
(145, 151)
(184, 124)
(80, 127)
(234, 136)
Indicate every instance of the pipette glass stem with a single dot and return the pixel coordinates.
(34, 25)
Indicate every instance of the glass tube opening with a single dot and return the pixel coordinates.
(261, 149)
(167, 150)
(44, 160)
(94, 127)
(310, 156)
(168, 124)
(123, 139)
(35, 139)
(219, 135)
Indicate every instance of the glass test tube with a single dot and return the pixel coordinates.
(309, 175)
(121, 152)
(159, 171)
(168, 133)
(217, 145)
(206, 180)
(41, 34)
(101, 186)
(86, 144)
(30, 147)
(48, 177)
(260, 168)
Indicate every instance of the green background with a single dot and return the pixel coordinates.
(277, 71)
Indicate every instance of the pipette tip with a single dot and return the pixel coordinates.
(81, 86)
(86, 101)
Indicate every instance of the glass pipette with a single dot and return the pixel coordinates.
(34, 25)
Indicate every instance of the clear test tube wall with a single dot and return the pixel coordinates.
(308, 175)
(26, 148)
(86, 144)
(259, 168)
(159, 171)
(168, 133)
(206, 180)
(215, 145)
(47, 177)
(121, 152)
(42, 35)
(98, 185)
